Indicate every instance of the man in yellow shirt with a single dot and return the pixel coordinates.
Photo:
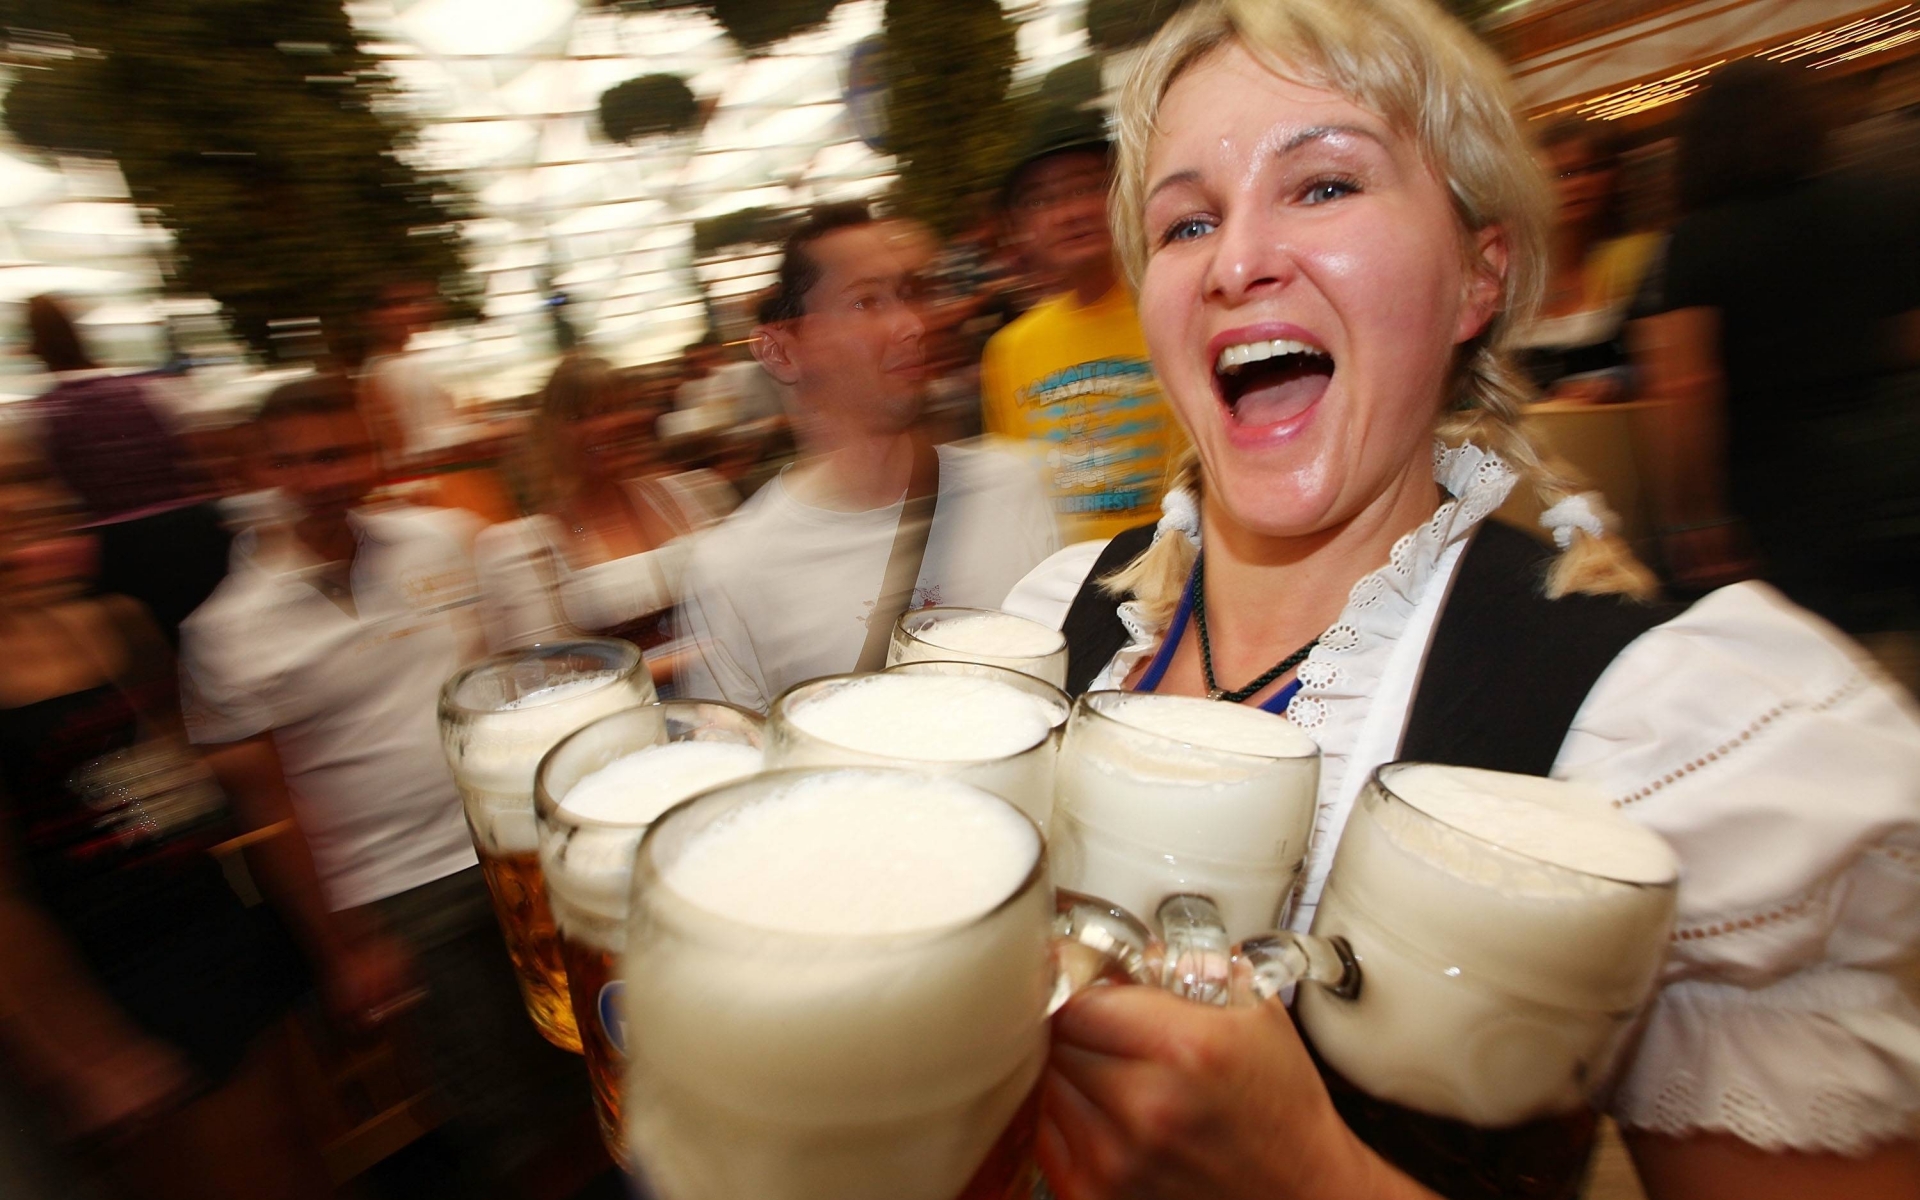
(1072, 376)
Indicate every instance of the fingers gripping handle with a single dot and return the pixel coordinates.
(1274, 962)
(1198, 959)
(1094, 941)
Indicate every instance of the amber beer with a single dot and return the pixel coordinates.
(839, 982)
(595, 794)
(497, 717)
(1492, 939)
(533, 943)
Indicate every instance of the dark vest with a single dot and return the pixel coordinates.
(1506, 669)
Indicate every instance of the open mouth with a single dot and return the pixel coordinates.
(1265, 382)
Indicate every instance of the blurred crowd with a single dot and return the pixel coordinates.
(233, 639)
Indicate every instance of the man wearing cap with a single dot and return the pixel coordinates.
(1072, 376)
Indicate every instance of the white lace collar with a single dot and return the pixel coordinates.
(1352, 650)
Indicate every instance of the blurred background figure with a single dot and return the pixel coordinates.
(412, 414)
(160, 536)
(1575, 349)
(312, 675)
(1785, 346)
(141, 1004)
(1071, 377)
(806, 578)
(606, 551)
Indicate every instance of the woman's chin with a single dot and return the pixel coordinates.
(1277, 510)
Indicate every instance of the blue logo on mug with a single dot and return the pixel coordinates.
(612, 1020)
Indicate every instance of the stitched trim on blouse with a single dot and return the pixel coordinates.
(1853, 685)
(1899, 854)
(1788, 911)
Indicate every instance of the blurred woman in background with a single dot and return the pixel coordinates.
(161, 538)
(140, 1001)
(1574, 350)
(605, 552)
(1785, 349)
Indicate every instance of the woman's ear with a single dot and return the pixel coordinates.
(773, 349)
(1486, 281)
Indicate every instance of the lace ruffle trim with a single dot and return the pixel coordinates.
(1350, 656)
(1813, 1063)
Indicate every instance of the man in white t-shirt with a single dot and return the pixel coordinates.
(783, 591)
(314, 671)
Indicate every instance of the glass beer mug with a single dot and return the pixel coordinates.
(1191, 814)
(1483, 943)
(993, 732)
(497, 717)
(840, 982)
(981, 635)
(594, 796)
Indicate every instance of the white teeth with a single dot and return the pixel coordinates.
(1235, 357)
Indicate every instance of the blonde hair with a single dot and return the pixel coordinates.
(1433, 81)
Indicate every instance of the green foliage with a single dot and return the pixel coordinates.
(49, 109)
(757, 24)
(949, 119)
(1072, 85)
(745, 227)
(648, 104)
(265, 138)
(1118, 24)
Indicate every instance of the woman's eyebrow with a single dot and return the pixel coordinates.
(1303, 137)
(1187, 176)
(1322, 132)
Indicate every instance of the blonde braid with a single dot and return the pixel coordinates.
(1491, 392)
(1157, 576)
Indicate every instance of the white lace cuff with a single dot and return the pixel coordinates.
(1821, 1061)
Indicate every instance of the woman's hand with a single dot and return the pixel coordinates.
(1153, 1096)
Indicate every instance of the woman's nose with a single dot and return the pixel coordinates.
(1251, 255)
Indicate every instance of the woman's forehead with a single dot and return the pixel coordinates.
(1231, 103)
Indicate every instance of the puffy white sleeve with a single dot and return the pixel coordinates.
(1784, 769)
(1047, 591)
(518, 604)
(615, 592)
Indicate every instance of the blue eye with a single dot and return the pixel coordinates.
(1322, 190)
(1186, 229)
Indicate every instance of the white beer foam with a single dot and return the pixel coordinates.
(936, 718)
(589, 869)
(1235, 728)
(503, 749)
(639, 787)
(1566, 824)
(559, 691)
(1000, 634)
(852, 853)
(1500, 970)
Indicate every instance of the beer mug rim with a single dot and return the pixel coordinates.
(1379, 783)
(902, 625)
(647, 875)
(626, 661)
(1015, 679)
(1087, 707)
(777, 711)
(547, 807)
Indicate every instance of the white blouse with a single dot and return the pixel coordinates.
(530, 593)
(1778, 761)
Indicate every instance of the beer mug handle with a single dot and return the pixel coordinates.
(1273, 962)
(1095, 942)
(1197, 961)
